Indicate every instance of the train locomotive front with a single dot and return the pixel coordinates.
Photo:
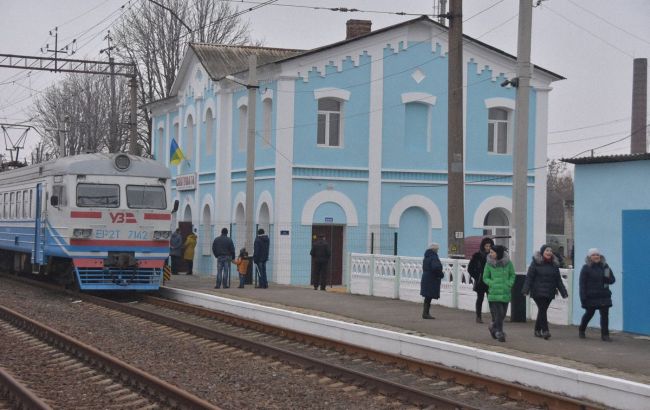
(102, 222)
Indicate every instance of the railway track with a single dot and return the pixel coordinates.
(420, 383)
(14, 394)
(344, 366)
(66, 374)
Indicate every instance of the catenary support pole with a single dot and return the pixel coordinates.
(520, 159)
(455, 171)
(250, 152)
(133, 134)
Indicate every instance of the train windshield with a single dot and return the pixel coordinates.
(146, 197)
(98, 195)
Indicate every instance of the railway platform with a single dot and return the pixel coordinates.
(626, 357)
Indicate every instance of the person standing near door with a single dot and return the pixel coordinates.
(595, 278)
(176, 249)
(499, 275)
(431, 278)
(261, 255)
(188, 250)
(224, 250)
(475, 269)
(320, 254)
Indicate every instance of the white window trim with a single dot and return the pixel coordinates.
(330, 92)
(507, 104)
(419, 97)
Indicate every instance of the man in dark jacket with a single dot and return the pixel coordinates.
(320, 254)
(224, 250)
(475, 269)
(261, 255)
(176, 249)
(431, 278)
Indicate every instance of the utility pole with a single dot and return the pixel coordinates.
(68, 49)
(250, 151)
(111, 61)
(134, 148)
(455, 169)
(519, 228)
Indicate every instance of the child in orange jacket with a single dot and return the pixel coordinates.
(242, 262)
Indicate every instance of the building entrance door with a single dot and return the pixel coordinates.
(636, 286)
(334, 237)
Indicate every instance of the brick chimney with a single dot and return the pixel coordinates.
(356, 28)
(639, 104)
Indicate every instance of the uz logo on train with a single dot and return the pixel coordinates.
(122, 218)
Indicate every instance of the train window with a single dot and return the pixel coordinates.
(4, 206)
(59, 191)
(25, 205)
(31, 203)
(19, 204)
(12, 209)
(149, 197)
(98, 195)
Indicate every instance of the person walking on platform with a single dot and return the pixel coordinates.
(475, 269)
(431, 278)
(188, 250)
(499, 275)
(224, 250)
(595, 278)
(176, 249)
(543, 280)
(261, 255)
(320, 254)
(242, 266)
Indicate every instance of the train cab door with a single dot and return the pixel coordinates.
(39, 227)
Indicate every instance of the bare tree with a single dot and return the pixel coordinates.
(559, 188)
(155, 38)
(79, 105)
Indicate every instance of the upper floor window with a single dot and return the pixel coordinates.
(268, 110)
(243, 126)
(209, 130)
(498, 131)
(160, 156)
(189, 143)
(417, 132)
(329, 123)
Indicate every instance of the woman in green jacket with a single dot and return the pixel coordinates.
(499, 275)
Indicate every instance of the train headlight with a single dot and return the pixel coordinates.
(122, 162)
(157, 235)
(82, 233)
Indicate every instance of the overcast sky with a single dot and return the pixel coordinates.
(590, 42)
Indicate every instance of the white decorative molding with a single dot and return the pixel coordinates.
(189, 110)
(331, 92)
(241, 101)
(336, 197)
(418, 75)
(418, 97)
(265, 198)
(500, 102)
(240, 198)
(267, 95)
(489, 204)
(209, 104)
(419, 201)
(209, 201)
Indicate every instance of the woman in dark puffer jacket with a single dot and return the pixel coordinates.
(475, 269)
(543, 280)
(595, 278)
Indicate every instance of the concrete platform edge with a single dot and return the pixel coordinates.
(610, 391)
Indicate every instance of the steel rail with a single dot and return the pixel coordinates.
(20, 394)
(501, 387)
(175, 397)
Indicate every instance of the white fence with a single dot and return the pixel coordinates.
(398, 277)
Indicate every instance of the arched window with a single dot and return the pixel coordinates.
(496, 224)
(243, 126)
(160, 156)
(499, 131)
(209, 131)
(329, 123)
(268, 123)
(189, 140)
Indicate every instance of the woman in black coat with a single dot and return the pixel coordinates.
(431, 278)
(595, 278)
(475, 269)
(543, 280)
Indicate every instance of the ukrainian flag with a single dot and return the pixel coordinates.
(175, 153)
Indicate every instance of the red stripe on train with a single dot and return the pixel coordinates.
(161, 217)
(85, 214)
(98, 242)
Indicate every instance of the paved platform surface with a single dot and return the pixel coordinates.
(626, 357)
